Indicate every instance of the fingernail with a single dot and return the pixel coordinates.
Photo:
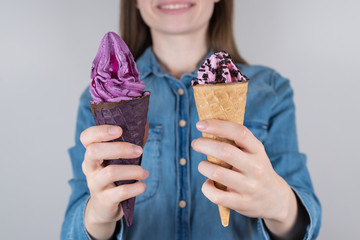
(113, 130)
(137, 150)
(193, 142)
(202, 125)
(147, 173)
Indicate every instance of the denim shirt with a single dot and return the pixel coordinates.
(172, 163)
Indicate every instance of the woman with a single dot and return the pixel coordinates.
(269, 187)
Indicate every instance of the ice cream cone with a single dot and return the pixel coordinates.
(222, 101)
(131, 116)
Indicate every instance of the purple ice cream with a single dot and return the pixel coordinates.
(114, 74)
(119, 99)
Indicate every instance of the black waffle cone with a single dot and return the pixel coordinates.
(131, 116)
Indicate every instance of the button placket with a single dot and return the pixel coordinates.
(182, 128)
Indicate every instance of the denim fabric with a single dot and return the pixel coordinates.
(269, 114)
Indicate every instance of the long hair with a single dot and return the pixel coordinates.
(220, 37)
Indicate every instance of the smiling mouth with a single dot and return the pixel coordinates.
(176, 6)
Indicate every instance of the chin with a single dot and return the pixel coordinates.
(176, 29)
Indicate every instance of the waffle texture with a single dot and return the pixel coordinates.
(223, 101)
(131, 116)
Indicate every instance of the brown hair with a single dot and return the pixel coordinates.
(137, 35)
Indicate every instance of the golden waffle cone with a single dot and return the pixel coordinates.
(223, 101)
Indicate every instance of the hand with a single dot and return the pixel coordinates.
(103, 209)
(254, 189)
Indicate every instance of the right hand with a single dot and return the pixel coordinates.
(103, 209)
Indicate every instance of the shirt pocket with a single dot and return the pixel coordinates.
(151, 162)
(259, 130)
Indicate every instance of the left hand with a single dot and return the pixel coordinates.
(254, 189)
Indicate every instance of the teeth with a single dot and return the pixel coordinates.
(175, 6)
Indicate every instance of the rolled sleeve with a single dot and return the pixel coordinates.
(313, 209)
(282, 148)
(73, 226)
(262, 229)
(78, 230)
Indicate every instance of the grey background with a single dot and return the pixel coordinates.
(46, 50)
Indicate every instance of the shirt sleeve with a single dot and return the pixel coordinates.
(281, 146)
(73, 226)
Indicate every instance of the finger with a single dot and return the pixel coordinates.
(227, 177)
(220, 150)
(102, 133)
(97, 152)
(112, 173)
(238, 133)
(224, 198)
(123, 192)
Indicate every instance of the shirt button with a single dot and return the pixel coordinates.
(182, 123)
(182, 204)
(180, 91)
(182, 161)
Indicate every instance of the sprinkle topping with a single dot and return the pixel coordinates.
(219, 68)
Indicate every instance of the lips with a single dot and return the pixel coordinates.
(175, 7)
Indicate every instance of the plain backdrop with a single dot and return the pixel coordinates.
(46, 50)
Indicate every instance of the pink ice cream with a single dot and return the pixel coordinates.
(114, 74)
(219, 68)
